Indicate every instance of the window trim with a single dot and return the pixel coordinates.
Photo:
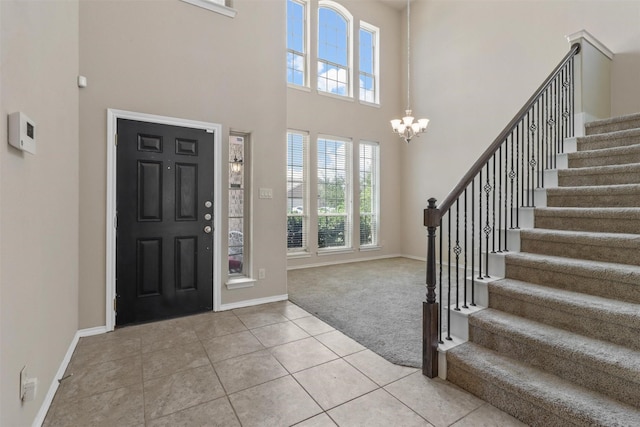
(376, 61)
(214, 6)
(344, 12)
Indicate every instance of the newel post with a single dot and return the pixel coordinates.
(430, 308)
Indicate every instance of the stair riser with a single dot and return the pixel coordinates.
(602, 329)
(629, 200)
(511, 403)
(589, 376)
(587, 144)
(607, 252)
(575, 180)
(604, 225)
(616, 159)
(585, 283)
(613, 127)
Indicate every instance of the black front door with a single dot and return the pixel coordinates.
(164, 248)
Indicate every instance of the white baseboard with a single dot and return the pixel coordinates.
(251, 302)
(46, 404)
(346, 261)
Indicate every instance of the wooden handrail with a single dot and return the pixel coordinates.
(433, 218)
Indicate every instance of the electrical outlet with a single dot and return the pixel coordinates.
(262, 273)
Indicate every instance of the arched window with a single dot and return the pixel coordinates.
(334, 49)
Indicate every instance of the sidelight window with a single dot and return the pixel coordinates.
(297, 42)
(238, 209)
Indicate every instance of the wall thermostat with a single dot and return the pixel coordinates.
(22, 132)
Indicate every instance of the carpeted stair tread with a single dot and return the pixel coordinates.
(619, 155)
(620, 195)
(556, 350)
(607, 279)
(577, 303)
(594, 316)
(609, 247)
(608, 219)
(608, 140)
(600, 175)
(628, 121)
(530, 394)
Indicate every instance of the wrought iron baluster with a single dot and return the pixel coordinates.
(512, 176)
(499, 172)
(487, 227)
(493, 207)
(440, 286)
(480, 225)
(473, 243)
(449, 278)
(457, 250)
(464, 278)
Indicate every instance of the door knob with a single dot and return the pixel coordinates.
(207, 217)
(207, 229)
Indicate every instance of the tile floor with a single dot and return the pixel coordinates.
(270, 365)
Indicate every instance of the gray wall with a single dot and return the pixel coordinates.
(173, 59)
(475, 63)
(39, 210)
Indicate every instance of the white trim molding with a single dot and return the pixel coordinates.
(55, 383)
(585, 35)
(214, 6)
(112, 124)
(252, 302)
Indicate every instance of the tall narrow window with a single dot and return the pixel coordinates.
(296, 43)
(369, 193)
(369, 63)
(334, 193)
(297, 191)
(334, 49)
(237, 242)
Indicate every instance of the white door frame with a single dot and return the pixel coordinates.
(112, 125)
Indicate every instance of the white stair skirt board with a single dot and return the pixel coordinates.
(570, 145)
(562, 161)
(460, 320)
(551, 178)
(525, 215)
(513, 239)
(496, 264)
(445, 346)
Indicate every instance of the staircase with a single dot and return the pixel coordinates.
(559, 344)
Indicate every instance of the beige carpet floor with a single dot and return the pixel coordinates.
(377, 303)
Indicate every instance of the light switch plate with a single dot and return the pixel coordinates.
(266, 193)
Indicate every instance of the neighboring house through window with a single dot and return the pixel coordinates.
(297, 191)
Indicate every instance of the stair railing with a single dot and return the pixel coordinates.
(503, 179)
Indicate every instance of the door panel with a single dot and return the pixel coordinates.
(164, 251)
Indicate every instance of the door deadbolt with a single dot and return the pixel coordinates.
(207, 217)
(207, 204)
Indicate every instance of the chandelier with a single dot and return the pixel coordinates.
(408, 127)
